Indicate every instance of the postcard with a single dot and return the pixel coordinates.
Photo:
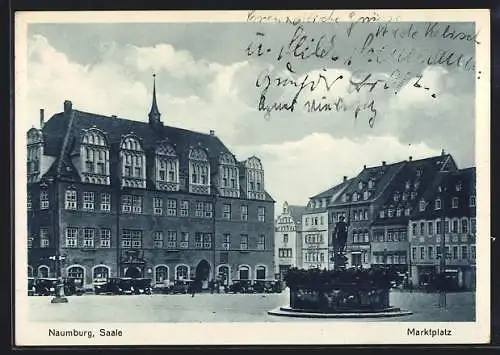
(252, 177)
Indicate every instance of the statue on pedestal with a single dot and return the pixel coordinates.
(339, 241)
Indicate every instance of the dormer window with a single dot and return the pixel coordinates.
(407, 211)
(454, 202)
(407, 185)
(366, 195)
(437, 204)
(371, 184)
(398, 212)
(422, 206)
(360, 185)
(390, 213)
(458, 186)
(255, 178)
(94, 156)
(344, 198)
(419, 172)
(413, 195)
(382, 214)
(229, 176)
(167, 168)
(133, 161)
(199, 171)
(323, 202)
(396, 196)
(405, 196)
(355, 196)
(417, 184)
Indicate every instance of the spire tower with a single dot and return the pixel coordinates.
(154, 113)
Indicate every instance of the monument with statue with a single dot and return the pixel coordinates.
(342, 292)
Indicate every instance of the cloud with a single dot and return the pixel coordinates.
(297, 170)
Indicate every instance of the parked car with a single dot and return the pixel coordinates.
(45, 286)
(73, 286)
(181, 286)
(101, 286)
(241, 286)
(141, 286)
(31, 286)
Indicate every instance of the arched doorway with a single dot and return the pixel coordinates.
(203, 272)
(133, 272)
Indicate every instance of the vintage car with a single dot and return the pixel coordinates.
(73, 286)
(141, 286)
(45, 286)
(181, 286)
(241, 286)
(114, 286)
(31, 286)
(267, 286)
(101, 286)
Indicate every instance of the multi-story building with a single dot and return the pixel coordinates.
(316, 245)
(118, 197)
(286, 238)
(446, 210)
(359, 204)
(389, 230)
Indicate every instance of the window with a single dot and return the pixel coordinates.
(430, 228)
(414, 253)
(366, 195)
(465, 226)
(422, 253)
(171, 207)
(244, 272)
(71, 237)
(172, 239)
(473, 226)
(182, 272)
(199, 209)
(70, 200)
(161, 274)
(136, 239)
(473, 252)
(88, 201)
(44, 200)
(382, 214)
(355, 196)
(184, 240)
(105, 238)
(390, 236)
(307, 221)
(105, 202)
(454, 226)
(184, 208)
(260, 273)
(285, 252)
(321, 220)
(137, 204)
(226, 242)
(207, 240)
(407, 185)
(285, 238)
(422, 206)
(131, 239)
(157, 205)
(226, 214)
(437, 204)
(407, 211)
(244, 242)
(158, 239)
(413, 195)
(366, 215)
(261, 242)
(454, 202)
(30, 241)
(88, 237)
(29, 203)
(76, 272)
(126, 203)
(398, 212)
(455, 252)
(44, 238)
(244, 213)
(208, 209)
(396, 197)
(422, 228)
(198, 240)
(438, 227)
(464, 252)
(472, 201)
(430, 252)
(414, 229)
(261, 214)
(458, 186)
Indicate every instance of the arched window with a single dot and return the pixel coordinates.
(100, 272)
(182, 272)
(43, 271)
(244, 272)
(76, 272)
(30, 271)
(94, 157)
(224, 274)
(199, 171)
(167, 167)
(161, 274)
(133, 161)
(260, 272)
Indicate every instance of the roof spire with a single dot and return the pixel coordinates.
(154, 113)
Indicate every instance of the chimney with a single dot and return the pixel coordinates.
(67, 106)
(345, 178)
(442, 152)
(383, 163)
(212, 132)
(364, 167)
(410, 158)
(42, 119)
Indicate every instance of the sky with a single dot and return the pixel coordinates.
(208, 80)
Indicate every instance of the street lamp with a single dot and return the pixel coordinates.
(59, 297)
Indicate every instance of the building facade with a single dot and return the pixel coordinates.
(288, 231)
(445, 220)
(117, 197)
